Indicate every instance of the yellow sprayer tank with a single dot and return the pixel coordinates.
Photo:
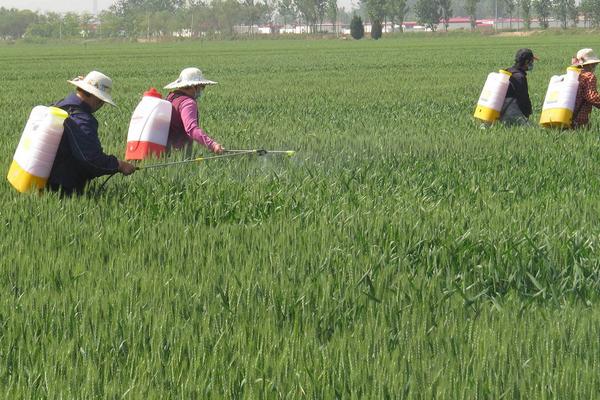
(37, 148)
(559, 103)
(492, 96)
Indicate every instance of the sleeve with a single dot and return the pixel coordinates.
(590, 94)
(189, 117)
(86, 148)
(522, 93)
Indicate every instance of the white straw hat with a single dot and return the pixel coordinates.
(189, 77)
(586, 57)
(97, 84)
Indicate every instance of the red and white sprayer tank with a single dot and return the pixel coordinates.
(149, 127)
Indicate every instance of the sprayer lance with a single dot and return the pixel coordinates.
(229, 153)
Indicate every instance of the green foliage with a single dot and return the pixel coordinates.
(591, 12)
(471, 9)
(445, 12)
(510, 6)
(428, 13)
(376, 9)
(376, 29)
(526, 9)
(397, 11)
(543, 9)
(403, 253)
(14, 23)
(357, 29)
(332, 12)
(565, 10)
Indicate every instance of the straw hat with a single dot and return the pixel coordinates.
(189, 77)
(586, 57)
(97, 84)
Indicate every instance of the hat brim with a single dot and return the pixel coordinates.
(186, 84)
(590, 62)
(94, 91)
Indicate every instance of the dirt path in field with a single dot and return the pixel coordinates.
(512, 34)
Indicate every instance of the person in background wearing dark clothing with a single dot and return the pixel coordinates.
(80, 157)
(517, 105)
(587, 93)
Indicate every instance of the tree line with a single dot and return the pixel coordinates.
(193, 18)
(431, 13)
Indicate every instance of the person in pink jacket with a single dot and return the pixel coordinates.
(185, 128)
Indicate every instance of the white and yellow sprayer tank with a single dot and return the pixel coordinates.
(559, 103)
(492, 96)
(37, 149)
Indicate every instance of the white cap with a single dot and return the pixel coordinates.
(189, 77)
(97, 84)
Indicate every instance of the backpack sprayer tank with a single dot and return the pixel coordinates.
(559, 103)
(37, 148)
(149, 127)
(492, 96)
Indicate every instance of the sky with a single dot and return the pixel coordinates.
(80, 5)
(56, 5)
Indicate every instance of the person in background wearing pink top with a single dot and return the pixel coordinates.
(185, 128)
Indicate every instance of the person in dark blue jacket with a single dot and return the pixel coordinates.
(517, 105)
(80, 157)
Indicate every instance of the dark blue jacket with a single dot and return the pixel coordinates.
(80, 157)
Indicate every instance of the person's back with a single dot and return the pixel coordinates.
(178, 137)
(517, 105)
(587, 93)
(80, 157)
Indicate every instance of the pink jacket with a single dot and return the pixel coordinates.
(184, 127)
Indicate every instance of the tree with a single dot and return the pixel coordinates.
(320, 10)
(510, 8)
(471, 10)
(227, 14)
(560, 9)
(446, 12)
(332, 13)
(71, 25)
(254, 12)
(357, 29)
(591, 12)
(543, 9)
(572, 13)
(87, 25)
(376, 10)
(308, 11)
(526, 8)
(397, 10)
(428, 13)
(14, 23)
(376, 29)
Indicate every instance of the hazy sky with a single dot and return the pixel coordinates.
(56, 5)
(81, 5)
